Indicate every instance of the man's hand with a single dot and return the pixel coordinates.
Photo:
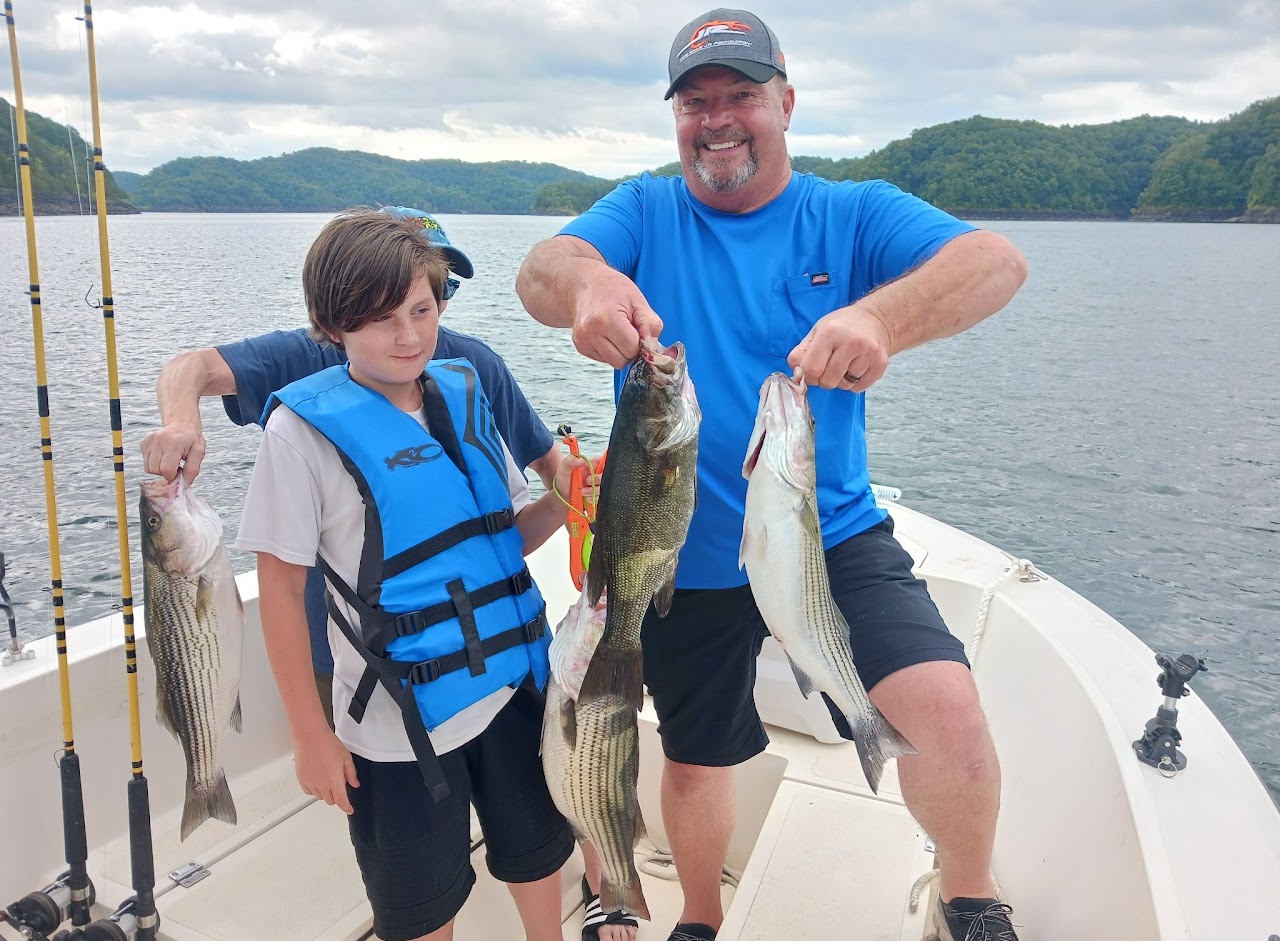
(180, 443)
(611, 317)
(847, 349)
(324, 768)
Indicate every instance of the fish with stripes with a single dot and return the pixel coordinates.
(195, 631)
(782, 551)
(591, 759)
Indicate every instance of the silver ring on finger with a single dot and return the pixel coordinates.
(852, 378)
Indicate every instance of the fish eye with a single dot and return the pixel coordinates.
(153, 521)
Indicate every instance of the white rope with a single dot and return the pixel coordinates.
(917, 887)
(1026, 572)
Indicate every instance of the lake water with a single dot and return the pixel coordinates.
(1118, 424)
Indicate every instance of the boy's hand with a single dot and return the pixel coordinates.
(324, 768)
(564, 476)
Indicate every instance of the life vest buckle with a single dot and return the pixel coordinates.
(499, 520)
(412, 623)
(534, 629)
(425, 672)
(521, 582)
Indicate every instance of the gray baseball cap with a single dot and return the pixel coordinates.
(735, 39)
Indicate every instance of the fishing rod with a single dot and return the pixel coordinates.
(72, 893)
(136, 917)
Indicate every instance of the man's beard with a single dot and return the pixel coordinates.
(744, 172)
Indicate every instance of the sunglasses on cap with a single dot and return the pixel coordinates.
(451, 286)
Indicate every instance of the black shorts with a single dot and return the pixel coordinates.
(700, 660)
(415, 855)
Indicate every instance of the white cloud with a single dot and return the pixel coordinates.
(580, 83)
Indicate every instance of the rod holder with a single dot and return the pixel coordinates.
(1158, 746)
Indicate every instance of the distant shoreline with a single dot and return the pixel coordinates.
(1263, 217)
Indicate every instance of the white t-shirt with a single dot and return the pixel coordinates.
(301, 501)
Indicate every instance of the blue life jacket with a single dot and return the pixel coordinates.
(448, 611)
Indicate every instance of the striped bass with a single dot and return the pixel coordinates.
(195, 631)
(783, 554)
(591, 758)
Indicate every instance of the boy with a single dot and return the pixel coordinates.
(396, 478)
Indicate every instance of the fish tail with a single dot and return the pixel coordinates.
(630, 897)
(207, 803)
(614, 673)
(877, 742)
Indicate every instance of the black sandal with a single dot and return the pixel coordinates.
(594, 916)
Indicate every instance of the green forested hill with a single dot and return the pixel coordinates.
(1000, 168)
(1145, 167)
(322, 179)
(54, 172)
(1231, 168)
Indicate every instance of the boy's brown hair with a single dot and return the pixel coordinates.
(362, 265)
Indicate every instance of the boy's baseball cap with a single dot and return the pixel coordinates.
(459, 263)
(735, 39)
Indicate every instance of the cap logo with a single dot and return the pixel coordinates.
(429, 223)
(704, 35)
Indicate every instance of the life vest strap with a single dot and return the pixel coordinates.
(433, 669)
(490, 523)
(381, 626)
(415, 622)
(375, 671)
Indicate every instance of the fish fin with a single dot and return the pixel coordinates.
(877, 741)
(754, 540)
(163, 716)
(809, 521)
(203, 804)
(237, 721)
(662, 597)
(206, 596)
(614, 674)
(666, 477)
(631, 897)
(642, 831)
(802, 678)
(569, 723)
(595, 574)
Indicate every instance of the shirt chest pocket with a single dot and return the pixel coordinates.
(795, 305)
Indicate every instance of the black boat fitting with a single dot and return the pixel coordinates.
(1158, 746)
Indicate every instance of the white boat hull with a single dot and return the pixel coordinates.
(1091, 844)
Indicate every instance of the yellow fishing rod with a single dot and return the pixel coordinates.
(137, 917)
(72, 894)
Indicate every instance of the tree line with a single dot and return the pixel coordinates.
(1142, 168)
(61, 168)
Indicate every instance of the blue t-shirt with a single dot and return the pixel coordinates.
(262, 365)
(740, 291)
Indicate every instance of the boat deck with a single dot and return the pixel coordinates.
(287, 872)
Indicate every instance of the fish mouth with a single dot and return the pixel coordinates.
(664, 360)
(783, 401)
(160, 494)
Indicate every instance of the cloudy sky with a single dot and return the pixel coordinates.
(580, 82)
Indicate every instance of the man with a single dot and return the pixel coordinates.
(757, 269)
(245, 373)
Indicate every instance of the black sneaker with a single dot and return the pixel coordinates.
(977, 919)
(692, 931)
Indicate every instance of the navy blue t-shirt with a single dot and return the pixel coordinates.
(262, 365)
